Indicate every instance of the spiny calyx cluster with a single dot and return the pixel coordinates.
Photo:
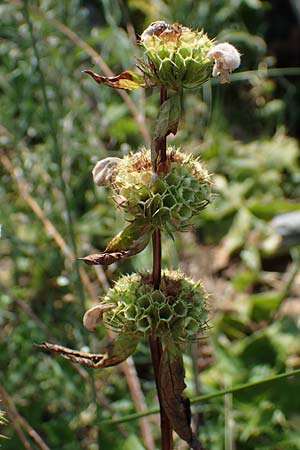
(132, 306)
(165, 200)
(176, 56)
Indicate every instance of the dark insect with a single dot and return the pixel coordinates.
(156, 29)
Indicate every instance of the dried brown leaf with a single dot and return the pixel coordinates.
(172, 385)
(119, 350)
(126, 80)
(94, 315)
(104, 259)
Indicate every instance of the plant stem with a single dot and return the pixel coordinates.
(155, 342)
(166, 430)
(156, 273)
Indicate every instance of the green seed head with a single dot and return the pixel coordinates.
(177, 310)
(166, 200)
(176, 56)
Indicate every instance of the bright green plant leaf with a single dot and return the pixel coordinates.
(264, 305)
(166, 123)
(131, 241)
(133, 443)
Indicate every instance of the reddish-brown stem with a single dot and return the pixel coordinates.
(155, 342)
(166, 430)
(156, 273)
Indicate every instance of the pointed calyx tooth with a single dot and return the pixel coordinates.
(103, 170)
(94, 315)
(226, 58)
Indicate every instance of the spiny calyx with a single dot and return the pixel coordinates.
(177, 310)
(168, 200)
(176, 56)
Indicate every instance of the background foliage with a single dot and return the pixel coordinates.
(55, 123)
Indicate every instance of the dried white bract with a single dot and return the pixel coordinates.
(94, 315)
(103, 170)
(226, 58)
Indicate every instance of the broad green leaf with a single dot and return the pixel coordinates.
(166, 123)
(133, 443)
(243, 280)
(264, 304)
(126, 80)
(265, 209)
(231, 366)
(134, 237)
(131, 241)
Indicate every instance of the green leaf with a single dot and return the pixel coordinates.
(234, 239)
(126, 80)
(134, 237)
(176, 406)
(119, 350)
(131, 241)
(166, 123)
(133, 443)
(264, 305)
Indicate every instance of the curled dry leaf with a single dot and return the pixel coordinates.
(119, 350)
(94, 315)
(176, 406)
(226, 58)
(103, 170)
(126, 80)
(104, 259)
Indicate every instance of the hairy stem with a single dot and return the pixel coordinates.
(155, 342)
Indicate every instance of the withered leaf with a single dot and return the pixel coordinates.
(130, 241)
(104, 259)
(104, 169)
(176, 406)
(126, 80)
(94, 315)
(119, 350)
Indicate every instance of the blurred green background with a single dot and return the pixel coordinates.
(55, 123)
